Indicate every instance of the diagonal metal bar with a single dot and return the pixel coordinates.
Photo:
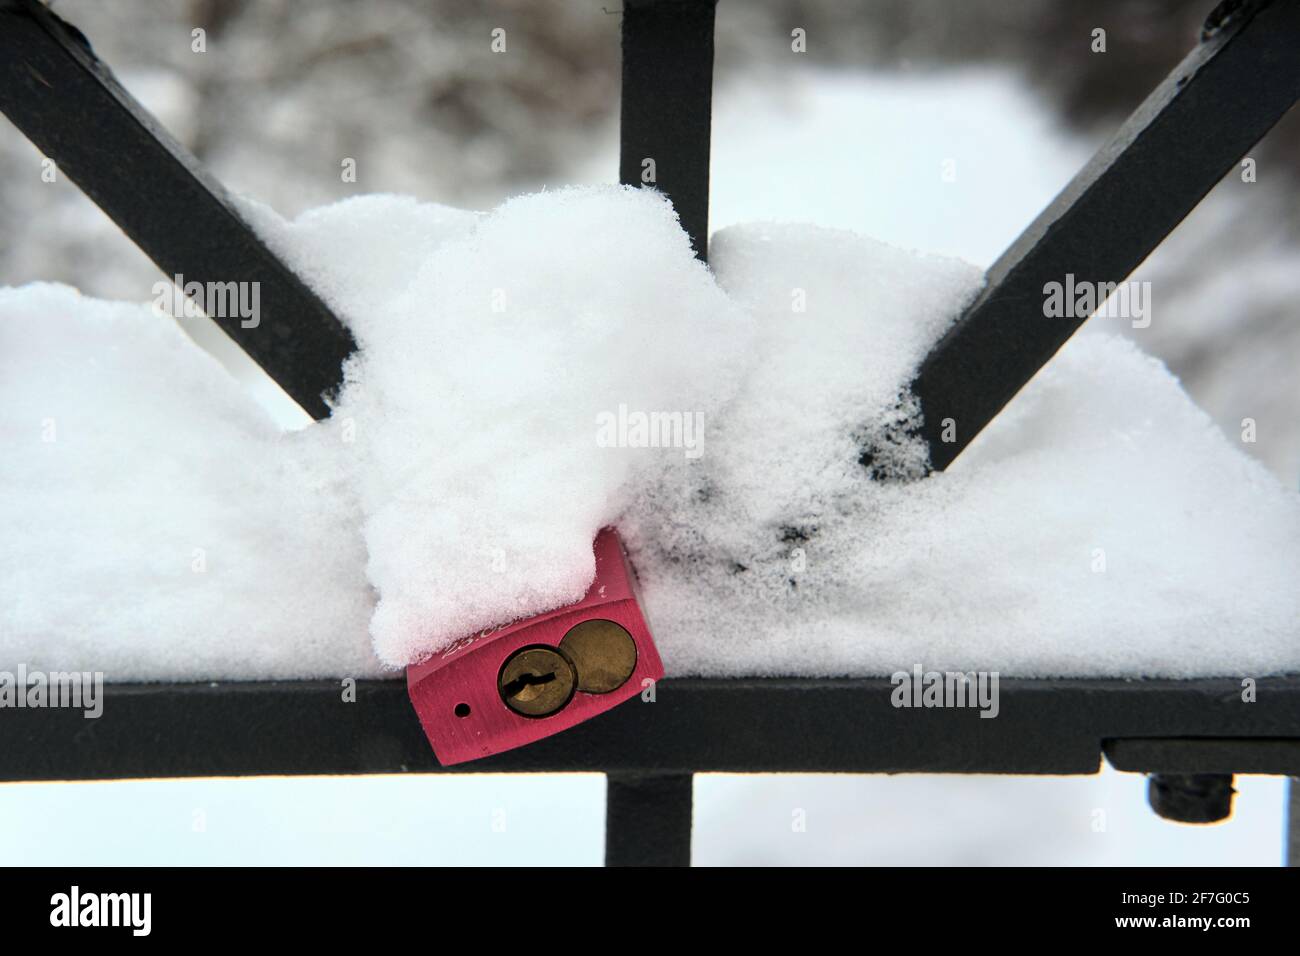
(1224, 96)
(667, 105)
(54, 89)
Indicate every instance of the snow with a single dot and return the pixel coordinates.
(154, 523)
(473, 402)
(1102, 526)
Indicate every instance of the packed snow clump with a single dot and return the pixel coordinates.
(471, 408)
(154, 524)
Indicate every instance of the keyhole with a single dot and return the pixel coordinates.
(537, 681)
(527, 686)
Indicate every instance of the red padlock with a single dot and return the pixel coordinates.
(502, 689)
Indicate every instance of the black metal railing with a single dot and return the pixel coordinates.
(1192, 735)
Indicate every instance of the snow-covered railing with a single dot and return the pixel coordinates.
(1191, 735)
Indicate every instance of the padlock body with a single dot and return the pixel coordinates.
(458, 693)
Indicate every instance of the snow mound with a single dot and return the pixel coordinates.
(153, 523)
(529, 375)
(1101, 526)
(471, 410)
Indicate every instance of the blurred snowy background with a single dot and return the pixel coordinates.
(855, 133)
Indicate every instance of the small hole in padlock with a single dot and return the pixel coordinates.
(462, 710)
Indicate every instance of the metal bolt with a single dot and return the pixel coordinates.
(1191, 797)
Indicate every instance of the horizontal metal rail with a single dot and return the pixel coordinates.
(1225, 755)
(1224, 96)
(54, 89)
(693, 725)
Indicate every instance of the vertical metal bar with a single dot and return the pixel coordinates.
(667, 106)
(1225, 95)
(648, 819)
(665, 127)
(68, 103)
